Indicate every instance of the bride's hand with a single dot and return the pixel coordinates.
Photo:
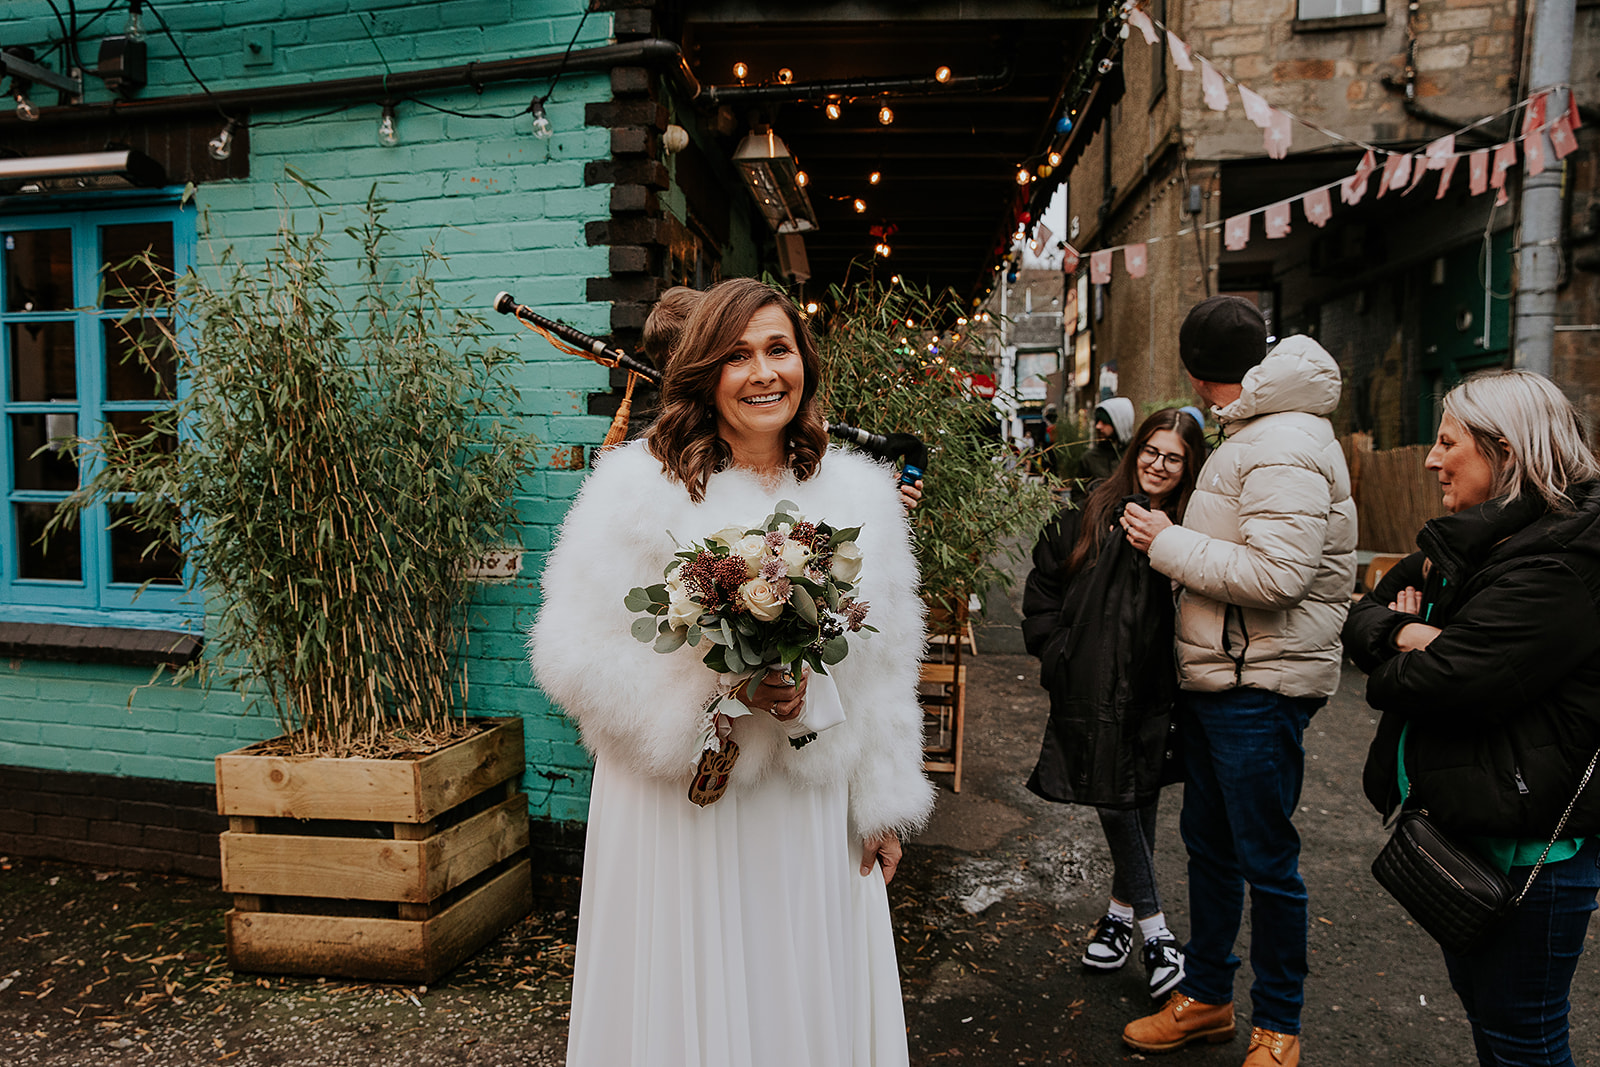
(885, 849)
(782, 702)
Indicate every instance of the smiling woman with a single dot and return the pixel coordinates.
(750, 925)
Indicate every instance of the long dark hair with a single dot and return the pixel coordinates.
(1124, 482)
(684, 436)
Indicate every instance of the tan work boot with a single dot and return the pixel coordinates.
(1181, 1021)
(1268, 1048)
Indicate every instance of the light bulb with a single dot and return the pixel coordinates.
(541, 121)
(741, 71)
(886, 115)
(941, 75)
(1022, 176)
(133, 29)
(27, 111)
(874, 178)
(893, 279)
(813, 307)
(221, 146)
(785, 76)
(860, 206)
(386, 131)
(833, 110)
(802, 179)
(1055, 159)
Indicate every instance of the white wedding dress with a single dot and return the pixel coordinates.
(741, 934)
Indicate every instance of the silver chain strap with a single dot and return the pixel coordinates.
(1562, 825)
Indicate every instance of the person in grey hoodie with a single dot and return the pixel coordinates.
(1113, 425)
(1266, 560)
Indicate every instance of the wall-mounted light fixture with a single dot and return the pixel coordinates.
(773, 179)
(121, 167)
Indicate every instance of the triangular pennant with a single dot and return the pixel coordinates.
(1180, 52)
(1134, 259)
(1100, 267)
(1278, 220)
(1562, 142)
(1396, 169)
(1439, 151)
(1478, 171)
(1444, 176)
(1574, 120)
(1141, 22)
(1318, 206)
(1256, 108)
(1278, 135)
(1213, 88)
(1069, 259)
(1505, 157)
(1236, 232)
(1041, 239)
(1533, 151)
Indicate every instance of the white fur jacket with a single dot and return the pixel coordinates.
(642, 709)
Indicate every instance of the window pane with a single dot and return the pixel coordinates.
(118, 244)
(130, 376)
(38, 266)
(61, 560)
(52, 470)
(135, 424)
(44, 361)
(1328, 9)
(140, 555)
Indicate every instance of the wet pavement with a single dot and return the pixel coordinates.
(991, 908)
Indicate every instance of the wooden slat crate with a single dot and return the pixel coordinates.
(393, 869)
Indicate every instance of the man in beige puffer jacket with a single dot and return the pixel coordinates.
(1265, 559)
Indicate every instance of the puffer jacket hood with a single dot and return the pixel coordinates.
(1266, 553)
(1119, 412)
(1297, 375)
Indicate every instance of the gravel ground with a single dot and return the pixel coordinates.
(991, 909)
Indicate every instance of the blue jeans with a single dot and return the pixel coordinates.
(1243, 767)
(1515, 987)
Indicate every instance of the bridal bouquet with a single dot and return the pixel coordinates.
(771, 597)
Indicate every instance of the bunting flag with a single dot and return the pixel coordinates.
(1100, 267)
(1562, 142)
(1440, 152)
(1418, 171)
(1180, 52)
(1278, 220)
(1139, 20)
(1533, 152)
(1396, 169)
(1353, 188)
(1256, 108)
(1478, 171)
(1213, 88)
(1041, 240)
(1236, 233)
(1505, 157)
(1444, 175)
(1533, 114)
(1574, 120)
(1069, 258)
(1280, 132)
(1318, 207)
(1134, 259)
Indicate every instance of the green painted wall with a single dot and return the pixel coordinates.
(507, 209)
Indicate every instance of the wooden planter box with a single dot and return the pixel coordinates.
(388, 869)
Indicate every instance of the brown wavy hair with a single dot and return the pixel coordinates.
(684, 435)
(1124, 482)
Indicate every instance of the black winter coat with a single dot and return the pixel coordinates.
(1504, 705)
(1104, 642)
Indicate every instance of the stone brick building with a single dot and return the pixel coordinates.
(1409, 292)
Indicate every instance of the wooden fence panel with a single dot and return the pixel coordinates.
(1394, 494)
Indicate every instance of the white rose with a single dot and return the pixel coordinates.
(761, 599)
(727, 535)
(795, 557)
(682, 611)
(847, 562)
(753, 550)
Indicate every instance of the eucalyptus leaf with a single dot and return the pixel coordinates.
(834, 650)
(643, 629)
(670, 641)
(638, 599)
(803, 603)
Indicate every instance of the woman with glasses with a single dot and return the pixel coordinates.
(1100, 621)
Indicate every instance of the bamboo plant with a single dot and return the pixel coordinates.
(335, 457)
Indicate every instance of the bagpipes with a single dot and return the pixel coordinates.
(903, 447)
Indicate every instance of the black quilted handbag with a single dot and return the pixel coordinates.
(1450, 890)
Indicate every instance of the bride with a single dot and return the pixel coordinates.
(754, 930)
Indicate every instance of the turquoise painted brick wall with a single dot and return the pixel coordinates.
(506, 209)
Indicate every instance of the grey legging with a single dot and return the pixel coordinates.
(1131, 834)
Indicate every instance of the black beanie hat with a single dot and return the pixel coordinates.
(1223, 337)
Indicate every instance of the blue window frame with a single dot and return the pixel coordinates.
(64, 371)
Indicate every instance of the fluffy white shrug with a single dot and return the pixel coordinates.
(642, 709)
